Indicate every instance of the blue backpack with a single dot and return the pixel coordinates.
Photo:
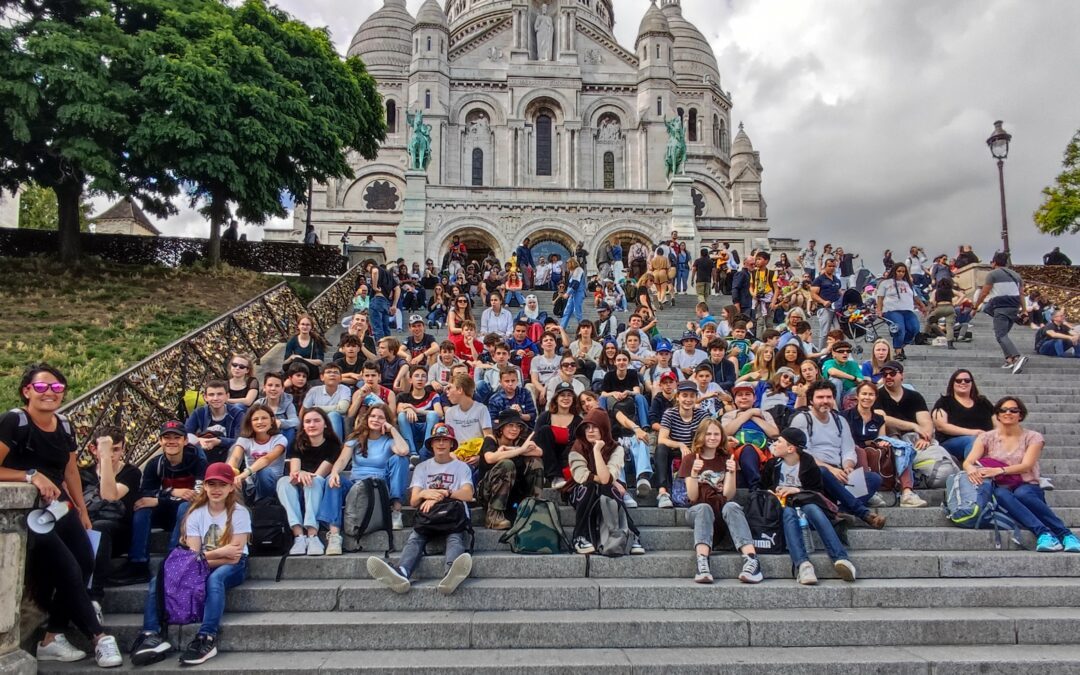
(973, 507)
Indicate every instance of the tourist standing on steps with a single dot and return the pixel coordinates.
(575, 292)
(825, 290)
(896, 301)
(385, 299)
(525, 262)
(807, 259)
(1009, 456)
(37, 447)
(1002, 297)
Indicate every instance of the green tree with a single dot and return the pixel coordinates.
(37, 209)
(239, 106)
(1060, 210)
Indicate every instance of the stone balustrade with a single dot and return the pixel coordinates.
(16, 500)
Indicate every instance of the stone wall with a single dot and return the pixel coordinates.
(16, 500)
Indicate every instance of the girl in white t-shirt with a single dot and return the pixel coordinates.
(218, 527)
(261, 449)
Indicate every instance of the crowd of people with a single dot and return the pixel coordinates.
(518, 398)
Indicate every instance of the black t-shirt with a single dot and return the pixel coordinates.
(703, 268)
(425, 402)
(910, 402)
(346, 367)
(863, 432)
(242, 392)
(311, 458)
(978, 416)
(612, 383)
(415, 347)
(46, 451)
(129, 475)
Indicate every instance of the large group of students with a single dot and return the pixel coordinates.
(513, 401)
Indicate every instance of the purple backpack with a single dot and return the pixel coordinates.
(182, 587)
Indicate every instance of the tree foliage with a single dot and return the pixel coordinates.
(37, 209)
(1060, 210)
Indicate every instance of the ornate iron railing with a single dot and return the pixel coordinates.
(141, 398)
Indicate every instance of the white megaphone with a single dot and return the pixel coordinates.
(42, 521)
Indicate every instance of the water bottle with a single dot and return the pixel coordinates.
(807, 536)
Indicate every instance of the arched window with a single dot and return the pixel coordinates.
(391, 116)
(659, 105)
(427, 98)
(716, 131)
(657, 52)
(692, 126)
(477, 166)
(543, 144)
(609, 170)
(429, 43)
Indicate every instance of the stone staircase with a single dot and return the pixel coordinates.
(930, 598)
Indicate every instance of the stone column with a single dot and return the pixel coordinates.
(16, 500)
(410, 231)
(682, 211)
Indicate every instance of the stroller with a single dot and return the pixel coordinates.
(860, 322)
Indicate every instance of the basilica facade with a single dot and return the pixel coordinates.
(542, 125)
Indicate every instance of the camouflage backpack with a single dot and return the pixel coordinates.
(536, 529)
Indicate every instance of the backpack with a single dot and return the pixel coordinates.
(450, 516)
(678, 485)
(536, 529)
(97, 507)
(974, 507)
(810, 424)
(181, 587)
(22, 429)
(607, 523)
(367, 510)
(270, 531)
(933, 466)
(765, 516)
(782, 415)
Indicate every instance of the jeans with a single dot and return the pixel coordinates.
(640, 405)
(573, 308)
(682, 275)
(836, 491)
(1004, 319)
(1027, 504)
(907, 327)
(331, 509)
(661, 478)
(62, 561)
(1058, 347)
(817, 519)
(436, 316)
(416, 432)
(289, 496)
(959, 447)
(221, 579)
(337, 421)
(749, 475)
(702, 518)
(380, 316)
(414, 550)
(638, 453)
(265, 481)
(166, 515)
(290, 436)
(515, 295)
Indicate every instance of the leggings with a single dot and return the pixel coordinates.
(60, 564)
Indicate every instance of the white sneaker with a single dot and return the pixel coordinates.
(845, 569)
(299, 545)
(315, 546)
(107, 653)
(558, 483)
(458, 572)
(912, 501)
(60, 650)
(97, 612)
(664, 501)
(806, 575)
(333, 544)
(583, 546)
(629, 501)
(387, 575)
(396, 521)
(636, 548)
(876, 502)
(1018, 365)
(644, 487)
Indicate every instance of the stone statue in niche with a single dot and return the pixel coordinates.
(699, 202)
(545, 31)
(478, 127)
(381, 195)
(609, 131)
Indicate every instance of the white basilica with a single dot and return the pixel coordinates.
(542, 125)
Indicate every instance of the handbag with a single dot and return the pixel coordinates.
(1009, 481)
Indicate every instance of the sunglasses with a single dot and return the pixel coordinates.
(841, 351)
(241, 366)
(963, 380)
(889, 373)
(569, 366)
(42, 387)
(1010, 411)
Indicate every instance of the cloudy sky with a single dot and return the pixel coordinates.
(872, 115)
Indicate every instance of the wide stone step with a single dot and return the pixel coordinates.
(927, 658)
(605, 628)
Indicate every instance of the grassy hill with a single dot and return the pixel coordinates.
(101, 319)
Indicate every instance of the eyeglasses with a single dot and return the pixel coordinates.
(241, 366)
(841, 351)
(963, 380)
(42, 387)
(1009, 411)
(569, 366)
(889, 373)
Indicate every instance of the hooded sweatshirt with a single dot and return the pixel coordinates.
(160, 477)
(582, 458)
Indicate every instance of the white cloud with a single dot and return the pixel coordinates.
(871, 115)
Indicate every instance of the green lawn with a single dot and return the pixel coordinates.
(99, 320)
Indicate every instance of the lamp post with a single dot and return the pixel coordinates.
(999, 148)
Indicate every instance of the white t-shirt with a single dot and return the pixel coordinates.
(201, 523)
(680, 359)
(452, 476)
(468, 424)
(897, 296)
(789, 475)
(544, 367)
(317, 397)
(253, 450)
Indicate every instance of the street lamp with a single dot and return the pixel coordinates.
(999, 148)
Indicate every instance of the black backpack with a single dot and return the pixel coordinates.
(449, 516)
(782, 416)
(270, 531)
(765, 516)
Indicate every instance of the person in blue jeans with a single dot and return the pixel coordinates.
(830, 443)
(1057, 338)
(896, 301)
(384, 301)
(418, 411)
(170, 483)
(218, 527)
(376, 449)
(1009, 456)
(682, 269)
(260, 449)
(795, 477)
(575, 292)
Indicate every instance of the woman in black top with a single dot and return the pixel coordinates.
(37, 446)
(555, 431)
(961, 414)
(307, 347)
(243, 386)
(867, 427)
(309, 462)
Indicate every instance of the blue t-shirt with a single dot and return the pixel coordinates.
(829, 288)
(376, 463)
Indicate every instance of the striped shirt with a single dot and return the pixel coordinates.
(679, 429)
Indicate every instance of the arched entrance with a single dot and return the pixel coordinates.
(478, 244)
(546, 242)
(626, 239)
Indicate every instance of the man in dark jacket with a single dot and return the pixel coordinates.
(214, 427)
(525, 263)
(740, 288)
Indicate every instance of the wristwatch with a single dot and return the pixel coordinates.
(30, 473)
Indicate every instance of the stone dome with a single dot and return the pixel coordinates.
(693, 55)
(741, 145)
(654, 21)
(431, 14)
(384, 40)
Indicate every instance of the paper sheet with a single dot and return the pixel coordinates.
(856, 483)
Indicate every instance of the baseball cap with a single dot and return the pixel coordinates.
(441, 430)
(603, 307)
(894, 365)
(415, 318)
(668, 375)
(175, 427)
(796, 437)
(663, 345)
(219, 471)
(687, 385)
(564, 386)
(742, 385)
(786, 371)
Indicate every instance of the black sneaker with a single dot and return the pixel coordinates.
(200, 650)
(149, 648)
(130, 574)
